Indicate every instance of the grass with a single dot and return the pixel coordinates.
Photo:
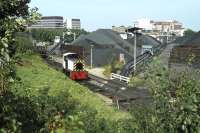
(37, 75)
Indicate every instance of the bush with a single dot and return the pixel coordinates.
(113, 67)
(176, 106)
(17, 114)
(24, 45)
(136, 81)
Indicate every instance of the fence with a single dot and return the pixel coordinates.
(121, 78)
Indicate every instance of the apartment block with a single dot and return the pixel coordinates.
(48, 22)
(170, 26)
(73, 23)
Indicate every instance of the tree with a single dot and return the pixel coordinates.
(70, 38)
(176, 100)
(188, 32)
(14, 15)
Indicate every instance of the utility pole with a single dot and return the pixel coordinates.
(91, 56)
(134, 31)
(135, 43)
(74, 36)
(63, 37)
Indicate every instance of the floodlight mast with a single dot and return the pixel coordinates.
(135, 43)
(134, 31)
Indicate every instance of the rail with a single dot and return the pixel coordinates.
(121, 78)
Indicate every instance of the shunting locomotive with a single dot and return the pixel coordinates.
(74, 66)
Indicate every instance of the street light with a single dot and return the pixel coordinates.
(91, 55)
(135, 41)
(134, 31)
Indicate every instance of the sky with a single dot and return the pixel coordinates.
(95, 14)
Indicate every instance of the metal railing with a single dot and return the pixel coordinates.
(121, 78)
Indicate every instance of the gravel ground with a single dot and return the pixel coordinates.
(97, 72)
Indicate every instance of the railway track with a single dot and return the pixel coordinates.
(114, 90)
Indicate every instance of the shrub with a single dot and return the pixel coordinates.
(24, 45)
(176, 106)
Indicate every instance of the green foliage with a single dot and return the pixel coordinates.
(36, 75)
(14, 15)
(17, 114)
(176, 101)
(188, 32)
(136, 81)
(69, 34)
(113, 67)
(42, 113)
(23, 45)
(36, 104)
(107, 71)
(46, 35)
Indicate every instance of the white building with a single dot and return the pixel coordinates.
(170, 26)
(122, 31)
(73, 23)
(145, 24)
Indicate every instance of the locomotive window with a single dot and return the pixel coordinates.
(79, 66)
(72, 56)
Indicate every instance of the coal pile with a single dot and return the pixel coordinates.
(145, 40)
(108, 45)
(193, 39)
(188, 50)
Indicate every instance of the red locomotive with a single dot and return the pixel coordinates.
(74, 66)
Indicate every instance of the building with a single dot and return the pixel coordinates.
(164, 31)
(122, 31)
(48, 22)
(73, 23)
(168, 26)
(160, 26)
(145, 24)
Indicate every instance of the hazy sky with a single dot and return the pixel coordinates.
(96, 14)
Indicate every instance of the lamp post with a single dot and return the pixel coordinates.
(74, 36)
(135, 43)
(91, 56)
(134, 31)
(63, 37)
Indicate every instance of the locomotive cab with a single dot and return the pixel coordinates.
(74, 66)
